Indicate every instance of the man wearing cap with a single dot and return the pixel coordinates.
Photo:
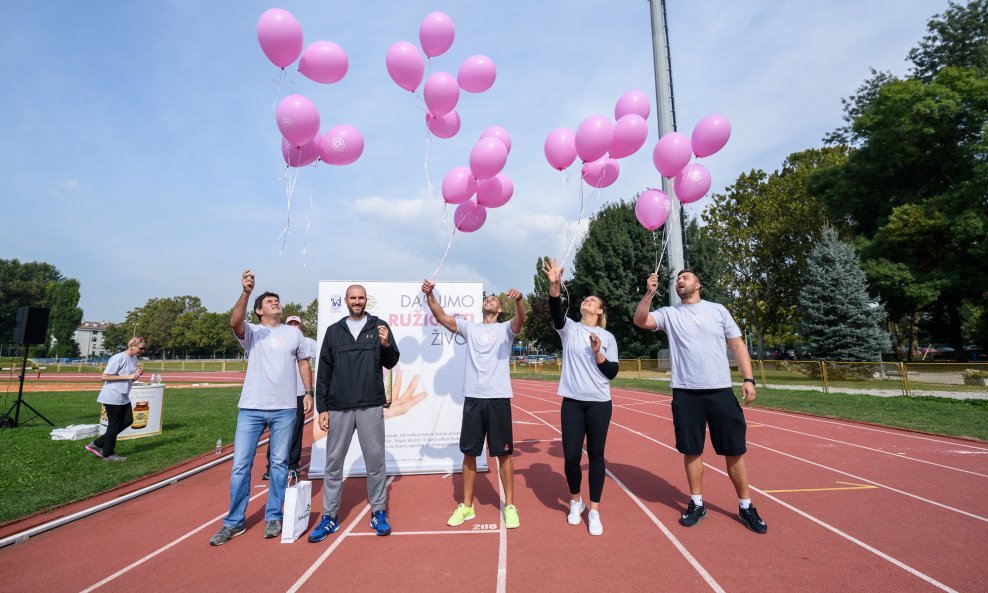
(295, 453)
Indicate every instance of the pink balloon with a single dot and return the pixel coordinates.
(602, 172)
(672, 152)
(443, 126)
(324, 61)
(280, 36)
(405, 65)
(692, 183)
(300, 156)
(476, 74)
(630, 133)
(635, 102)
(652, 208)
(436, 33)
(593, 137)
(441, 93)
(458, 185)
(342, 145)
(499, 133)
(298, 119)
(560, 148)
(487, 157)
(469, 216)
(710, 135)
(495, 191)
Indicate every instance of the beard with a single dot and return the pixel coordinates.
(355, 310)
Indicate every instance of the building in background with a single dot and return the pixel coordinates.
(89, 336)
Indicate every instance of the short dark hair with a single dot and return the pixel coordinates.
(689, 271)
(260, 300)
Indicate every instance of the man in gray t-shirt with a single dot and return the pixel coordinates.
(487, 391)
(699, 334)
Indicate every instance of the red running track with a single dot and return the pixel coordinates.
(849, 507)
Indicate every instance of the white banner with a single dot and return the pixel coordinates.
(147, 402)
(422, 427)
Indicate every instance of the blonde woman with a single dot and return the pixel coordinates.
(590, 362)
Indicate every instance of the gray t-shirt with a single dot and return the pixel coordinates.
(581, 379)
(118, 392)
(357, 326)
(697, 343)
(486, 374)
(272, 366)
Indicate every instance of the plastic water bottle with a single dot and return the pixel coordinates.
(219, 446)
(159, 378)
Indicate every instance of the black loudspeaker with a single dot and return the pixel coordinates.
(32, 325)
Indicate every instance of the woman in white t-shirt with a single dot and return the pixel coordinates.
(590, 362)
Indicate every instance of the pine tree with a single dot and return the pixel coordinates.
(840, 320)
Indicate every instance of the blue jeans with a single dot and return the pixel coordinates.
(250, 425)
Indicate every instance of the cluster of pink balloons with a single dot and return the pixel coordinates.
(671, 156)
(482, 185)
(599, 143)
(442, 90)
(280, 36)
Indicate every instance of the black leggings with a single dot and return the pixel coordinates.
(118, 418)
(581, 419)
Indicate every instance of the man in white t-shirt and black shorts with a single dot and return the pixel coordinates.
(487, 391)
(699, 334)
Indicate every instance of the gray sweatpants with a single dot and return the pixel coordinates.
(369, 424)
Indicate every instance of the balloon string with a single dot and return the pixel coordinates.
(277, 94)
(425, 163)
(308, 222)
(290, 180)
(576, 231)
(435, 272)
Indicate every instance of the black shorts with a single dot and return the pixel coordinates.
(695, 409)
(490, 418)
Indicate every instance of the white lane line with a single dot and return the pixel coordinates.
(502, 542)
(821, 523)
(756, 444)
(319, 561)
(672, 538)
(162, 549)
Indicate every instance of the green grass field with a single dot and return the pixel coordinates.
(37, 473)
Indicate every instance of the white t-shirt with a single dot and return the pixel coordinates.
(486, 374)
(357, 326)
(118, 392)
(272, 366)
(697, 343)
(581, 379)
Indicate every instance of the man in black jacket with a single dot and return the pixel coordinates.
(351, 386)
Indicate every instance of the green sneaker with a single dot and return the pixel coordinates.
(511, 520)
(461, 514)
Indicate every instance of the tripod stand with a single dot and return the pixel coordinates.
(6, 420)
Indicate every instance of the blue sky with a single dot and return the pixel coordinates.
(140, 154)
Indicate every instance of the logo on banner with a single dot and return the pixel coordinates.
(335, 303)
(371, 301)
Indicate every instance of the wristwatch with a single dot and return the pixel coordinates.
(749, 380)
(308, 392)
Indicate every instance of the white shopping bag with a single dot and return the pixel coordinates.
(298, 505)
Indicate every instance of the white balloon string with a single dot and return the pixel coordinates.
(576, 231)
(277, 94)
(308, 222)
(425, 163)
(435, 272)
(290, 180)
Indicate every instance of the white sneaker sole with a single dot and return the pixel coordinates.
(575, 520)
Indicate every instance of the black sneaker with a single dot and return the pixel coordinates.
(266, 476)
(692, 515)
(751, 520)
(225, 534)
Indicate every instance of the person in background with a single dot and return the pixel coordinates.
(119, 375)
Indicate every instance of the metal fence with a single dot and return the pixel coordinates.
(939, 379)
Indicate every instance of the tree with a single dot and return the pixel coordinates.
(158, 322)
(765, 226)
(613, 263)
(23, 285)
(310, 320)
(958, 37)
(840, 320)
(115, 338)
(65, 317)
(538, 328)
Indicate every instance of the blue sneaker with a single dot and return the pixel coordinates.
(326, 526)
(379, 523)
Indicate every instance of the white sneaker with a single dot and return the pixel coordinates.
(576, 508)
(595, 526)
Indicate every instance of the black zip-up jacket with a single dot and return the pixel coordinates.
(350, 370)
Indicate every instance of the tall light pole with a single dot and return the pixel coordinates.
(665, 110)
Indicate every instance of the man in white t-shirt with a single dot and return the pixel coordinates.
(119, 375)
(295, 452)
(276, 358)
(487, 391)
(699, 334)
